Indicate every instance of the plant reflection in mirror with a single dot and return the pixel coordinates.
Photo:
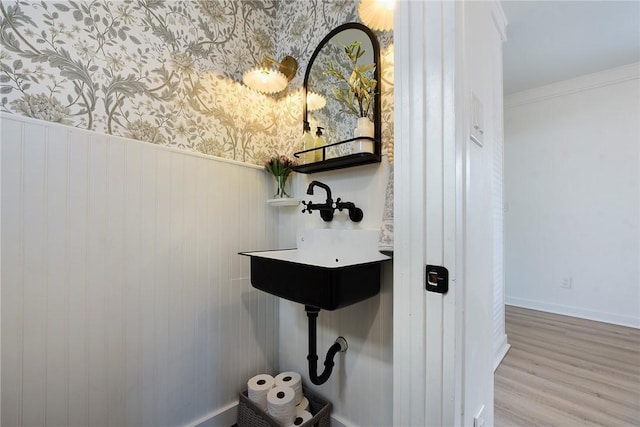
(357, 98)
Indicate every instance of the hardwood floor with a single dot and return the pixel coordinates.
(564, 371)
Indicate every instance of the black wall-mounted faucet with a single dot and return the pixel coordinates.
(321, 185)
(328, 207)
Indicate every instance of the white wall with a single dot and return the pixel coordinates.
(123, 299)
(483, 34)
(360, 386)
(572, 174)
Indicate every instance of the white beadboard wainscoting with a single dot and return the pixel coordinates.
(123, 300)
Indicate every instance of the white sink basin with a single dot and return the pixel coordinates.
(330, 248)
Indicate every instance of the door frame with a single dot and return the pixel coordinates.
(427, 327)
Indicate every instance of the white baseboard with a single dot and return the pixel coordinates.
(501, 352)
(616, 319)
(223, 417)
(337, 421)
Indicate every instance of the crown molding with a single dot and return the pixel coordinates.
(570, 86)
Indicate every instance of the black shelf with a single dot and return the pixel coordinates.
(338, 163)
(341, 162)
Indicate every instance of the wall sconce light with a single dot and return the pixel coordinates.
(267, 79)
(315, 101)
(377, 14)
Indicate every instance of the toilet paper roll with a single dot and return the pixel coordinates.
(301, 418)
(302, 406)
(280, 404)
(257, 389)
(293, 380)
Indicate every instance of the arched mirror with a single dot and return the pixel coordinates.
(342, 98)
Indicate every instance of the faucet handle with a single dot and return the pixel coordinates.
(306, 208)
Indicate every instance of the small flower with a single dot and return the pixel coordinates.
(262, 40)
(182, 62)
(211, 147)
(214, 10)
(115, 61)
(41, 107)
(142, 130)
(181, 104)
(126, 14)
(181, 130)
(84, 50)
(39, 71)
(280, 165)
(299, 26)
(340, 6)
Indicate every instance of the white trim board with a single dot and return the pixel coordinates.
(501, 352)
(566, 310)
(54, 125)
(337, 421)
(223, 417)
(578, 84)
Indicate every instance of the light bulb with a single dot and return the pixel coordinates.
(315, 101)
(377, 14)
(265, 80)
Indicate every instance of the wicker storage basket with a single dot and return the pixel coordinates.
(249, 415)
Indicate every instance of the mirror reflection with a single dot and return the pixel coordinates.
(341, 86)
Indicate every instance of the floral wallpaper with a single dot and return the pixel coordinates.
(168, 72)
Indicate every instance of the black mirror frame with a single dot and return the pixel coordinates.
(377, 104)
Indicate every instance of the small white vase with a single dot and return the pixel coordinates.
(364, 127)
